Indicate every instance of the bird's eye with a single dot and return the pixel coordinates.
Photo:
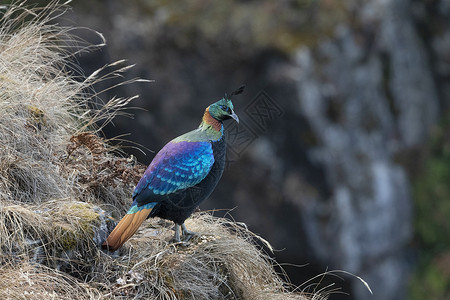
(223, 107)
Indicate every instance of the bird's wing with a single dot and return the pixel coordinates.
(179, 165)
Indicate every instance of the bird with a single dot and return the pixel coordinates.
(181, 175)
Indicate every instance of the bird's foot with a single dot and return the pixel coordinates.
(176, 239)
(183, 243)
(187, 234)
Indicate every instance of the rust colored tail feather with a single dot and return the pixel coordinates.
(125, 229)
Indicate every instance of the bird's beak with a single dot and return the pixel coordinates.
(235, 117)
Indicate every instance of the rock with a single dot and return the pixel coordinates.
(369, 97)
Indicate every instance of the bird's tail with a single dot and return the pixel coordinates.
(125, 229)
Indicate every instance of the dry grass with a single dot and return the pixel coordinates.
(28, 281)
(60, 183)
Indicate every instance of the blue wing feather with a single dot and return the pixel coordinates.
(177, 166)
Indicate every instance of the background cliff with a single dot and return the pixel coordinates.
(341, 158)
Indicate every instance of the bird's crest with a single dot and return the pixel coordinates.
(240, 90)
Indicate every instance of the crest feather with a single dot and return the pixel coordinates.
(240, 90)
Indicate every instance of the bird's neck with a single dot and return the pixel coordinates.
(211, 125)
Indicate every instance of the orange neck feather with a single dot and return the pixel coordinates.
(209, 120)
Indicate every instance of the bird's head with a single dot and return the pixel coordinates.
(223, 109)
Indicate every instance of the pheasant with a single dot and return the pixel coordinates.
(181, 175)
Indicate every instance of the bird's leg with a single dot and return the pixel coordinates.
(176, 238)
(187, 235)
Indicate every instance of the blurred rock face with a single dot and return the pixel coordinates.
(323, 172)
(368, 94)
